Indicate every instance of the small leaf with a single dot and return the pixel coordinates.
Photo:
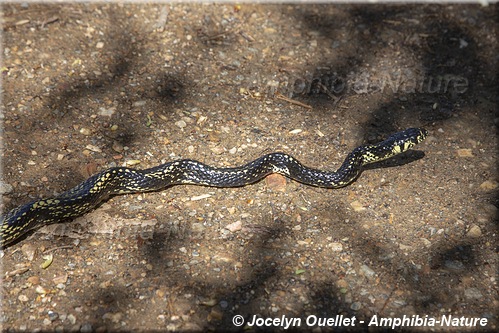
(48, 261)
(149, 121)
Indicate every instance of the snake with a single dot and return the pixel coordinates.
(123, 180)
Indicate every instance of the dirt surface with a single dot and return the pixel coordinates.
(87, 87)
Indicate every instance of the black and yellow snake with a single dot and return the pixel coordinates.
(120, 180)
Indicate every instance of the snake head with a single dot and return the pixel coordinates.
(405, 140)
(416, 135)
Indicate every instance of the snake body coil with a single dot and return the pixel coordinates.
(121, 180)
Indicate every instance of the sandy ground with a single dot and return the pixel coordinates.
(87, 87)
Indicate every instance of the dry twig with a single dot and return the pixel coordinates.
(292, 101)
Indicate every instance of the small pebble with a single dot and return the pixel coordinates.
(40, 290)
(357, 206)
(93, 148)
(399, 303)
(85, 131)
(34, 280)
(28, 251)
(233, 227)
(86, 328)
(182, 124)
(208, 302)
(464, 152)
(114, 317)
(132, 162)
(454, 265)
(23, 298)
(5, 188)
(336, 247)
(217, 150)
(368, 272)
(404, 247)
(426, 242)
(216, 314)
(139, 103)
(474, 231)
(52, 315)
(276, 182)
(117, 147)
(342, 284)
(60, 279)
(356, 306)
(489, 185)
(473, 293)
(72, 319)
(197, 227)
(106, 111)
